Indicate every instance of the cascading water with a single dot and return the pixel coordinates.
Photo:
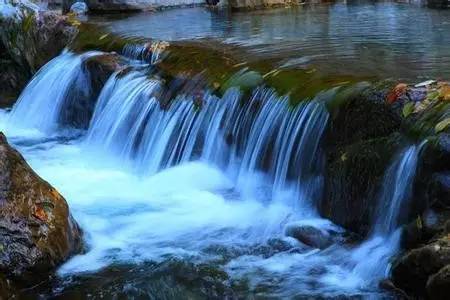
(209, 180)
(60, 82)
(130, 122)
(374, 255)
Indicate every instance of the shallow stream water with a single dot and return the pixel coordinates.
(358, 38)
(186, 202)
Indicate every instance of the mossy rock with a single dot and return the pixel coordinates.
(353, 177)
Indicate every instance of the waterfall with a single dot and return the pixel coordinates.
(56, 86)
(260, 134)
(396, 191)
(149, 53)
(373, 256)
(153, 125)
(202, 170)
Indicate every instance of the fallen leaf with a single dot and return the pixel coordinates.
(396, 92)
(408, 109)
(442, 125)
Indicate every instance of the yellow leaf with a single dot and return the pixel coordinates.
(442, 125)
(408, 109)
(103, 36)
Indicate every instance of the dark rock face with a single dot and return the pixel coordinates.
(26, 45)
(37, 232)
(438, 285)
(80, 102)
(412, 271)
(360, 142)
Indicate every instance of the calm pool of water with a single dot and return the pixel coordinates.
(384, 40)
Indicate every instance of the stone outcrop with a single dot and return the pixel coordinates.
(27, 42)
(37, 231)
(80, 103)
(425, 270)
(359, 144)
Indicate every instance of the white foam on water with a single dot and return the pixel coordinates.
(148, 184)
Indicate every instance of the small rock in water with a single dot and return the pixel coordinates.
(310, 236)
(79, 8)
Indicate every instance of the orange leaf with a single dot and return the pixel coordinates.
(444, 93)
(396, 92)
(40, 214)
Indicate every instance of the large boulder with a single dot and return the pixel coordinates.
(37, 232)
(360, 141)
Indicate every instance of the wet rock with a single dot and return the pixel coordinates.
(438, 285)
(244, 80)
(388, 285)
(440, 190)
(310, 236)
(79, 8)
(81, 101)
(352, 181)
(27, 43)
(37, 232)
(412, 270)
(432, 223)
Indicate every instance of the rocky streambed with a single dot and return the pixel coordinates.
(191, 174)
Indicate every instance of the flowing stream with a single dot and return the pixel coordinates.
(215, 184)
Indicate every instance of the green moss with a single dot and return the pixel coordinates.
(423, 125)
(95, 37)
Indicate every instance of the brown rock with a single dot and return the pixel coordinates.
(37, 232)
(412, 271)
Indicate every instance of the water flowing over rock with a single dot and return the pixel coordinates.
(64, 92)
(359, 143)
(37, 231)
(214, 176)
(260, 135)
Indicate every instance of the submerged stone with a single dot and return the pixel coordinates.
(310, 236)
